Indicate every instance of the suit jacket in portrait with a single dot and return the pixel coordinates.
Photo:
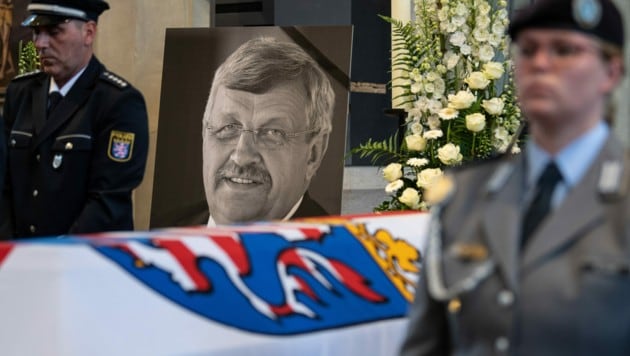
(307, 208)
(567, 293)
(74, 171)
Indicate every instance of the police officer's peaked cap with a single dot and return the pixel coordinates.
(51, 12)
(599, 18)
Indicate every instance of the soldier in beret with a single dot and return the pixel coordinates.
(77, 134)
(529, 254)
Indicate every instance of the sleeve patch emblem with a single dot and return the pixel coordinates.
(120, 146)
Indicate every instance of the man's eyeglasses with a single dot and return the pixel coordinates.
(267, 138)
(559, 52)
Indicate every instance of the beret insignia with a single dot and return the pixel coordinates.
(587, 13)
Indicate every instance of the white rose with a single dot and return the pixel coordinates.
(417, 162)
(449, 154)
(493, 70)
(416, 128)
(462, 100)
(393, 187)
(432, 134)
(475, 122)
(448, 113)
(392, 172)
(427, 177)
(476, 80)
(415, 142)
(410, 197)
(493, 106)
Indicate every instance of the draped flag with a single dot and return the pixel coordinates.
(217, 290)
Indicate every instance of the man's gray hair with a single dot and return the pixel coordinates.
(262, 63)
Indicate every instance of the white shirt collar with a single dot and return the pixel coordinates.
(212, 223)
(66, 88)
(573, 160)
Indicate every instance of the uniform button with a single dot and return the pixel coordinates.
(32, 228)
(69, 146)
(38, 157)
(505, 298)
(35, 193)
(13, 143)
(502, 344)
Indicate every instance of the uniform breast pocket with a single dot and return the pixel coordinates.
(19, 148)
(603, 305)
(20, 140)
(71, 151)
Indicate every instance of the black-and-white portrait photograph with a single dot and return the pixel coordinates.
(252, 124)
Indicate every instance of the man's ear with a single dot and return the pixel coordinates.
(615, 71)
(315, 155)
(89, 31)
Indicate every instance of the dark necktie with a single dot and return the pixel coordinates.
(542, 200)
(53, 100)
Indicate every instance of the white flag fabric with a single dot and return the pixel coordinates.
(325, 286)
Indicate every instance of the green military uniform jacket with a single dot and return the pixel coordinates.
(567, 293)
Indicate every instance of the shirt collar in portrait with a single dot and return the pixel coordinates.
(212, 223)
(573, 161)
(66, 88)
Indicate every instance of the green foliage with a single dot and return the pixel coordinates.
(28, 59)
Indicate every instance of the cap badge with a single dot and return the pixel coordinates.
(587, 13)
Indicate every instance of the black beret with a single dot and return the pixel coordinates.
(51, 12)
(599, 18)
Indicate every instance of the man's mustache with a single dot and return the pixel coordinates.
(252, 172)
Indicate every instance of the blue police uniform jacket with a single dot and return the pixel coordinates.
(74, 171)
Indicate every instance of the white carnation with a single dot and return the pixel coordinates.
(417, 162)
(393, 187)
(433, 134)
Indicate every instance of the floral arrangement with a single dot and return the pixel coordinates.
(28, 59)
(454, 78)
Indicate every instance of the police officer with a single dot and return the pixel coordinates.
(77, 133)
(530, 254)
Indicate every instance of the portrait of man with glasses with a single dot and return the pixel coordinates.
(266, 128)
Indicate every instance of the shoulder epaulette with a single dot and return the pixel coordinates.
(114, 80)
(27, 75)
